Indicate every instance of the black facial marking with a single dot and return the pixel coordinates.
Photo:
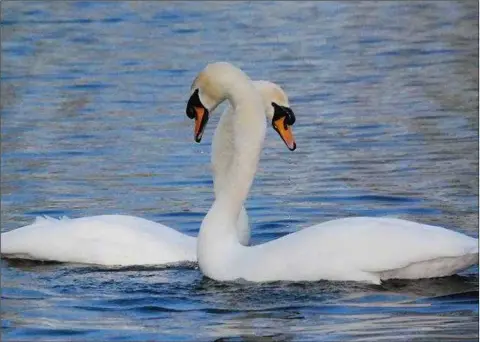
(193, 102)
(280, 112)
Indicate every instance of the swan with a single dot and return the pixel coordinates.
(121, 240)
(362, 249)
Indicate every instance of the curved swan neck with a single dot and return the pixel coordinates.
(221, 158)
(234, 141)
(249, 128)
(222, 149)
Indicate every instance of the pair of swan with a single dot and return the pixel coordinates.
(361, 249)
(121, 240)
(351, 249)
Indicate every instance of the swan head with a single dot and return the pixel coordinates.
(278, 111)
(208, 90)
(211, 87)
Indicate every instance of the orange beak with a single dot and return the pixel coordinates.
(286, 132)
(201, 119)
(199, 112)
(196, 110)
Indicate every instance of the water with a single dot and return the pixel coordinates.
(92, 113)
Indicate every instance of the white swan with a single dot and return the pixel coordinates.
(122, 240)
(351, 249)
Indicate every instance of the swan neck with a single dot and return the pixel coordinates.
(249, 127)
(221, 158)
(218, 239)
(222, 150)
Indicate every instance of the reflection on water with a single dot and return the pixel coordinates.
(92, 122)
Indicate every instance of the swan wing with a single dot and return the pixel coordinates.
(356, 248)
(383, 244)
(106, 240)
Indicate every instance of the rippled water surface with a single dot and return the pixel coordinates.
(93, 99)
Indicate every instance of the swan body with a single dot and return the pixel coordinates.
(121, 240)
(111, 240)
(363, 249)
(350, 249)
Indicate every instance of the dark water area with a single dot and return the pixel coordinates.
(92, 108)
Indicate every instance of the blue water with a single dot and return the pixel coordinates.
(93, 98)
